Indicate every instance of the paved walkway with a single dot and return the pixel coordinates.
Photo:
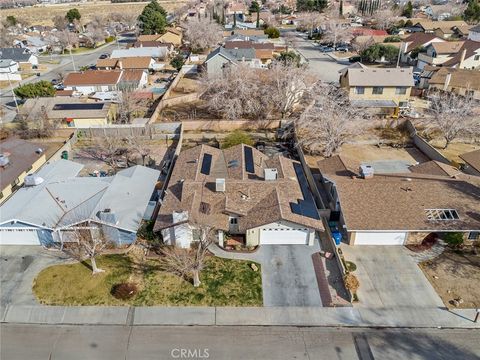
(263, 316)
(436, 250)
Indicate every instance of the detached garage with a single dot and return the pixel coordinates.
(284, 236)
(378, 238)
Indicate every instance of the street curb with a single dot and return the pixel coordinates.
(238, 316)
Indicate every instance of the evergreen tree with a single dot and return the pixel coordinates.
(153, 19)
(408, 10)
(340, 10)
(472, 12)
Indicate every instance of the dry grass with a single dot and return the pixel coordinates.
(455, 275)
(224, 282)
(43, 14)
(455, 149)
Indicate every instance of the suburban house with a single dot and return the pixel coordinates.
(24, 57)
(171, 35)
(472, 162)
(89, 82)
(34, 43)
(474, 33)
(132, 63)
(414, 41)
(54, 202)
(383, 90)
(71, 112)
(9, 70)
(400, 209)
(17, 158)
(468, 57)
(438, 53)
(238, 191)
(152, 52)
(459, 81)
(169, 46)
(443, 29)
(221, 57)
(248, 34)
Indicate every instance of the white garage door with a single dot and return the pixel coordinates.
(19, 237)
(284, 236)
(383, 238)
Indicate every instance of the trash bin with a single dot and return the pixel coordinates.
(337, 236)
(65, 155)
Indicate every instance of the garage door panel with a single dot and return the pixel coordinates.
(380, 238)
(19, 238)
(285, 237)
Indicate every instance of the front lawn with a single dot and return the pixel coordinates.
(224, 283)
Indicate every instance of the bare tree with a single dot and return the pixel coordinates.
(310, 20)
(36, 124)
(336, 32)
(85, 241)
(202, 33)
(67, 39)
(188, 263)
(109, 149)
(328, 121)
(128, 105)
(362, 43)
(454, 115)
(95, 31)
(60, 22)
(6, 39)
(384, 18)
(286, 85)
(139, 147)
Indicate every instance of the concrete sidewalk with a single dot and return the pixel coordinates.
(260, 316)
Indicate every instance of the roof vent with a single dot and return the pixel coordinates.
(219, 185)
(4, 160)
(366, 171)
(33, 180)
(39, 151)
(271, 174)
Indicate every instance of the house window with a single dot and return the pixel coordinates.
(233, 221)
(401, 90)
(474, 235)
(477, 57)
(359, 90)
(377, 90)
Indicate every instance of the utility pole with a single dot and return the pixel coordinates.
(13, 92)
(399, 52)
(70, 49)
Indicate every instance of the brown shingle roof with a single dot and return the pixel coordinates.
(469, 46)
(132, 75)
(256, 201)
(104, 63)
(21, 154)
(419, 39)
(148, 37)
(447, 47)
(472, 158)
(97, 77)
(140, 62)
(460, 78)
(435, 168)
(398, 202)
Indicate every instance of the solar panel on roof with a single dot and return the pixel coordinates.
(84, 106)
(249, 166)
(206, 164)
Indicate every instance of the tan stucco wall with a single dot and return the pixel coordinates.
(252, 236)
(388, 94)
(7, 191)
(90, 122)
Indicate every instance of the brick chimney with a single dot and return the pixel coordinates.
(119, 64)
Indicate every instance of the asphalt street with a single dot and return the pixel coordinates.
(222, 343)
(320, 64)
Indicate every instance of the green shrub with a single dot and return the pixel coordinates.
(109, 39)
(392, 39)
(453, 239)
(237, 137)
(272, 32)
(39, 89)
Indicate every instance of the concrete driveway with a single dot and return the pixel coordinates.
(389, 277)
(19, 265)
(288, 275)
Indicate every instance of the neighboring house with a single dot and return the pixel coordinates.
(364, 31)
(132, 63)
(468, 57)
(23, 57)
(9, 70)
(169, 46)
(238, 191)
(33, 43)
(443, 29)
(474, 33)
(400, 209)
(57, 202)
(248, 34)
(171, 35)
(472, 162)
(382, 89)
(416, 41)
(438, 53)
(91, 81)
(458, 81)
(71, 112)
(425, 76)
(152, 52)
(17, 159)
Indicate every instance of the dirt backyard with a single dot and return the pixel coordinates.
(455, 275)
